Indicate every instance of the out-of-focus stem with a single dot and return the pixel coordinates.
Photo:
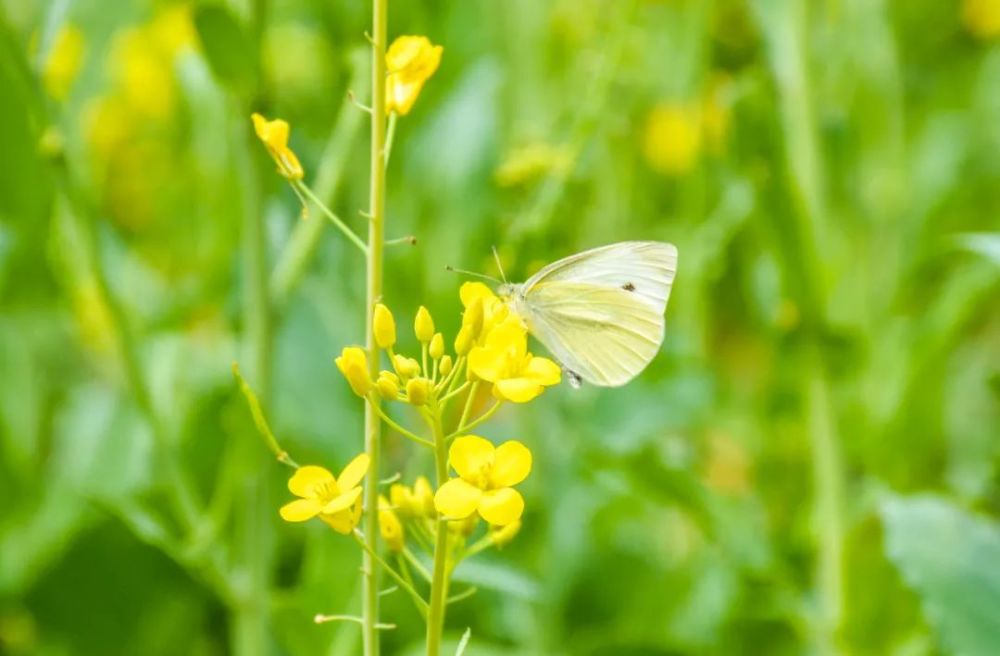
(376, 237)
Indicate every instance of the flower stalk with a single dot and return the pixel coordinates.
(373, 284)
(439, 577)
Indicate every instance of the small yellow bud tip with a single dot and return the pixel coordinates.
(384, 327)
(423, 325)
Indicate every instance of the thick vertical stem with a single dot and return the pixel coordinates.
(253, 548)
(376, 238)
(439, 577)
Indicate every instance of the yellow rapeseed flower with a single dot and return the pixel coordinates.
(411, 61)
(417, 501)
(503, 360)
(353, 363)
(336, 500)
(385, 327)
(982, 18)
(63, 61)
(487, 475)
(274, 134)
(389, 526)
(672, 139)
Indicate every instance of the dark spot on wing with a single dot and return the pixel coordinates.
(575, 380)
(629, 287)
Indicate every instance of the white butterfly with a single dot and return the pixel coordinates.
(599, 312)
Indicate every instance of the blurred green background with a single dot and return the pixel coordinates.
(810, 466)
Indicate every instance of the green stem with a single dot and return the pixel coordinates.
(390, 136)
(373, 277)
(254, 541)
(439, 578)
(336, 220)
(403, 583)
(399, 429)
(483, 417)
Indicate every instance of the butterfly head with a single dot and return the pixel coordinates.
(506, 291)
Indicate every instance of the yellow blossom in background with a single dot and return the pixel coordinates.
(672, 139)
(389, 525)
(63, 62)
(337, 501)
(353, 363)
(487, 475)
(528, 163)
(417, 501)
(982, 18)
(503, 360)
(143, 74)
(172, 29)
(274, 134)
(411, 61)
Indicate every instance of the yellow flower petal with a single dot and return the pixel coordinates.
(342, 522)
(518, 390)
(354, 472)
(456, 499)
(471, 291)
(300, 510)
(501, 507)
(353, 363)
(342, 502)
(487, 363)
(471, 456)
(543, 371)
(512, 464)
(306, 480)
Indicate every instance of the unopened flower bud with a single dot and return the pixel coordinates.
(384, 327)
(389, 526)
(423, 497)
(387, 386)
(423, 325)
(353, 363)
(407, 367)
(418, 390)
(446, 364)
(437, 346)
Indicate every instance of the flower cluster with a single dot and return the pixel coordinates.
(336, 500)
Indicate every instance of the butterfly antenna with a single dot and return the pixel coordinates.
(496, 256)
(472, 273)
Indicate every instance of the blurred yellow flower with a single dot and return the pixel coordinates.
(274, 134)
(503, 360)
(411, 61)
(417, 501)
(530, 162)
(173, 29)
(389, 525)
(487, 475)
(64, 61)
(982, 18)
(337, 501)
(353, 363)
(672, 139)
(143, 74)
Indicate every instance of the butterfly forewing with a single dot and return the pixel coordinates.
(643, 268)
(604, 333)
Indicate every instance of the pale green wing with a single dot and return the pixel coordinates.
(645, 268)
(606, 335)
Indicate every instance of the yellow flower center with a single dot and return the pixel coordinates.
(326, 491)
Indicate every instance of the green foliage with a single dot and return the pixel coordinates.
(830, 177)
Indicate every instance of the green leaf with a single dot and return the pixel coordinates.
(227, 47)
(949, 558)
(463, 643)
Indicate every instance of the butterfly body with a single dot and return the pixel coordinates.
(599, 312)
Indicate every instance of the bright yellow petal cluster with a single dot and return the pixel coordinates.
(64, 61)
(411, 61)
(336, 500)
(274, 134)
(503, 360)
(487, 475)
(353, 363)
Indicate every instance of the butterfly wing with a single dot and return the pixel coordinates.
(644, 268)
(604, 334)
